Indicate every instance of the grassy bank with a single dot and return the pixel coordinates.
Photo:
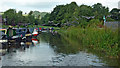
(31, 26)
(100, 39)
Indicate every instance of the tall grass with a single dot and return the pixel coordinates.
(102, 39)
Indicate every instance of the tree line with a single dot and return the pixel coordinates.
(69, 14)
(72, 14)
(12, 17)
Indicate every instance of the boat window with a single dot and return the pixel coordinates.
(28, 31)
(19, 30)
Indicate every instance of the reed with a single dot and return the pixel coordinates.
(102, 39)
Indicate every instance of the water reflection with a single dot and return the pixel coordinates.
(66, 46)
(35, 53)
(59, 44)
(49, 49)
(19, 46)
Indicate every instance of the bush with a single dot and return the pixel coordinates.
(94, 22)
(110, 19)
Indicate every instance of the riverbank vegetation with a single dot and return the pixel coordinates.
(99, 39)
(31, 26)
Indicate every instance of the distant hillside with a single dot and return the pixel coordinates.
(1, 13)
(25, 14)
(38, 14)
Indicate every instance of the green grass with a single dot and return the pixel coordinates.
(31, 26)
(48, 27)
(104, 40)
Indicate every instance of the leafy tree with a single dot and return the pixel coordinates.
(45, 19)
(72, 14)
(85, 10)
(14, 18)
(20, 13)
(115, 13)
(100, 10)
(63, 13)
(30, 13)
(10, 16)
(20, 17)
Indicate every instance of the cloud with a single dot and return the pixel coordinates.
(108, 3)
(41, 5)
(25, 5)
(48, 5)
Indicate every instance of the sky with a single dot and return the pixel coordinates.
(48, 5)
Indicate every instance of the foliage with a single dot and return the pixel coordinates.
(72, 14)
(103, 40)
(45, 19)
(110, 19)
(115, 14)
(94, 22)
(38, 15)
(10, 15)
(14, 18)
(100, 10)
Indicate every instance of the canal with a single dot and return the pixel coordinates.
(51, 49)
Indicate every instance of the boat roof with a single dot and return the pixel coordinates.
(2, 29)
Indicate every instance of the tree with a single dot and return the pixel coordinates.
(19, 17)
(115, 14)
(85, 10)
(99, 10)
(20, 13)
(10, 16)
(72, 13)
(14, 18)
(45, 19)
(63, 13)
(30, 13)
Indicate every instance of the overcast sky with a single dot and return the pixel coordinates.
(48, 5)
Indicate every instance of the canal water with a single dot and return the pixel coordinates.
(51, 49)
